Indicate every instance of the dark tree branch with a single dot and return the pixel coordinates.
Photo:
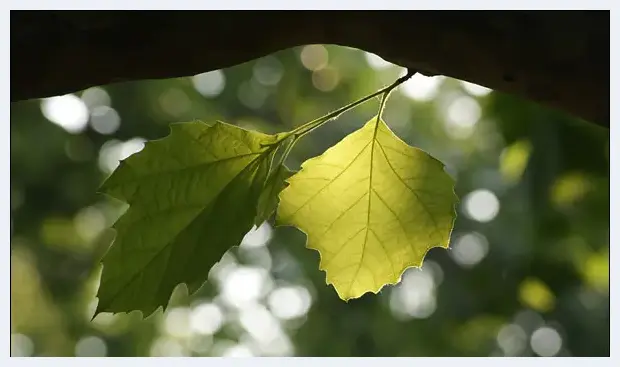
(559, 59)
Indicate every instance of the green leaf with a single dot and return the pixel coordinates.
(268, 200)
(372, 206)
(192, 196)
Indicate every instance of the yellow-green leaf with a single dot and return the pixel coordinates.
(192, 196)
(372, 206)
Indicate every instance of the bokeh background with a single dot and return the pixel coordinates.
(527, 273)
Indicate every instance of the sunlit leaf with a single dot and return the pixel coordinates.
(372, 206)
(192, 196)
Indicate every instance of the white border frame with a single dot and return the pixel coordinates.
(5, 360)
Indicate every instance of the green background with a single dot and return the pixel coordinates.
(527, 273)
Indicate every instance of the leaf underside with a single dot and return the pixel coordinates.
(193, 195)
(372, 206)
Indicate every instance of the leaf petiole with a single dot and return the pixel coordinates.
(309, 126)
(306, 128)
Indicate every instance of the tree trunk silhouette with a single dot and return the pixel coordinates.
(556, 58)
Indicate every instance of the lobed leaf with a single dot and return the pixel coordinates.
(372, 206)
(192, 196)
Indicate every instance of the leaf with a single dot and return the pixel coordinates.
(192, 196)
(268, 200)
(372, 206)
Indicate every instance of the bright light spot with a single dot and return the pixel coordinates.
(414, 297)
(512, 339)
(462, 115)
(109, 156)
(279, 346)
(325, 79)
(256, 256)
(265, 330)
(223, 268)
(220, 346)
(176, 322)
(103, 319)
(131, 147)
(546, 342)
(314, 57)
(481, 205)
(245, 285)
(289, 303)
(421, 88)
(95, 97)
(174, 102)
(475, 89)
(21, 346)
(238, 351)
(376, 62)
(210, 84)
(91, 346)
(68, 112)
(464, 112)
(112, 152)
(89, 222)
(268, 70)
(259, 323)
(200, 344)
(435, 270)
(105, 120)
(257, 237)
(167, 347)
(206, 318)
(469, 249)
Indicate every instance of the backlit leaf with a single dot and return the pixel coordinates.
(192, 196)
(372, 206)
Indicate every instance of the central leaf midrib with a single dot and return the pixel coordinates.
(373, 142)
(252, 163)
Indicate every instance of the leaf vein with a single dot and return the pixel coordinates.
(430, 214)
(331, 182)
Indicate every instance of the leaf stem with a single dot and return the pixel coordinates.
(306, 128)
(288, 149)
(309, 126)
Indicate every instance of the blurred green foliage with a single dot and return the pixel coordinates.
(527, 272)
